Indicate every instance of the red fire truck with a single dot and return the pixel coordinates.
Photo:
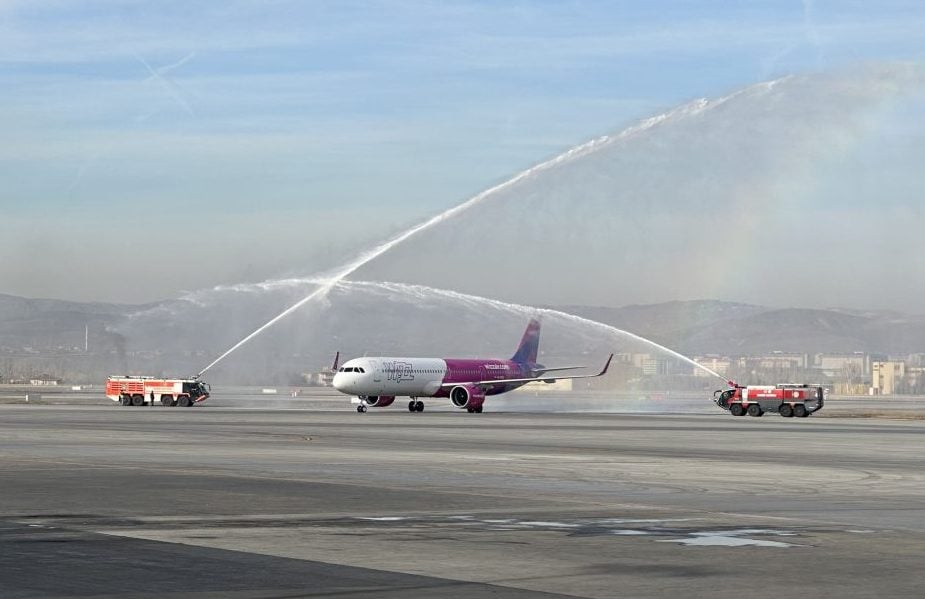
(144, 390)
(787, 400)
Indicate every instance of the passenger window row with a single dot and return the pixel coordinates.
(360, 370)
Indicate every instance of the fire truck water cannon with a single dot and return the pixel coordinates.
(148, 390)
(788, 399)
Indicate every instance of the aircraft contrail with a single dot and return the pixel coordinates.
(169, 86)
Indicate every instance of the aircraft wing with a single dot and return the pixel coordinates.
(559, 368)
(536, 378)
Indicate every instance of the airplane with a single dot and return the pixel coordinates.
(377, 381)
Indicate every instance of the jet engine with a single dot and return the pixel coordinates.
(467, 396)
(377, 401)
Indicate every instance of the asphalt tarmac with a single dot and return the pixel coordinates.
(224, 502)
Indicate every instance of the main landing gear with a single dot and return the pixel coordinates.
(361, 409)
(415, 405)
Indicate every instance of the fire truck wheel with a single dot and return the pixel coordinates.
(166, 400)
(786, 410)
(736, 409)
(184, 401)
(126, 400)
(754, 410)
(138, 400)
(799, 411)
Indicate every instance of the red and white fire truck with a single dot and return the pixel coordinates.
(787, 400)
(144, 390)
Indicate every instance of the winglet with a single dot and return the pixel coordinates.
(606, 366)
(336, 360)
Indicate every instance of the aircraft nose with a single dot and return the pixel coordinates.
(338, 382)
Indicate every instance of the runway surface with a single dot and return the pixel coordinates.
(223, 502)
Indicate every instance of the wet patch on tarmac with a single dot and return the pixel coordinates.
(683, 531)
(688, 531)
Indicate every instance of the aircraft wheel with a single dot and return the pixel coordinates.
(419, 406)
(799, 411)
(755, 410)
(361, 409)
(412, 406)
(786, 410)
(138, 400)
(736, 409)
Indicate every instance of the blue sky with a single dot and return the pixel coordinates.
(254, 139)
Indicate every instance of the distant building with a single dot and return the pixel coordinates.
(916, 360)
(851, 388)
(837, 365)
(322, 378)
(655, 366)
(623, 358)
(915, 375)
(714, 363)
(44, 380)
(885, 376)
(780, 361)
(636, 359)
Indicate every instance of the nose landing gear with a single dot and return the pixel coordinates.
(361, 409)
(415, 406)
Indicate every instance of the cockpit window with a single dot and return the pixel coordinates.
(361, 370)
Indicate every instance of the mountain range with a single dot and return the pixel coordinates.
(725, 328)
(691, 327)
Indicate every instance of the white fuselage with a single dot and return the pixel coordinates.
(399, 377)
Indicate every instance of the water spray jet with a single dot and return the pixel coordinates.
(471, 301)
(475, 300)
(691, 108)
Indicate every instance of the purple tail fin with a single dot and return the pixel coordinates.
(529, 345)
